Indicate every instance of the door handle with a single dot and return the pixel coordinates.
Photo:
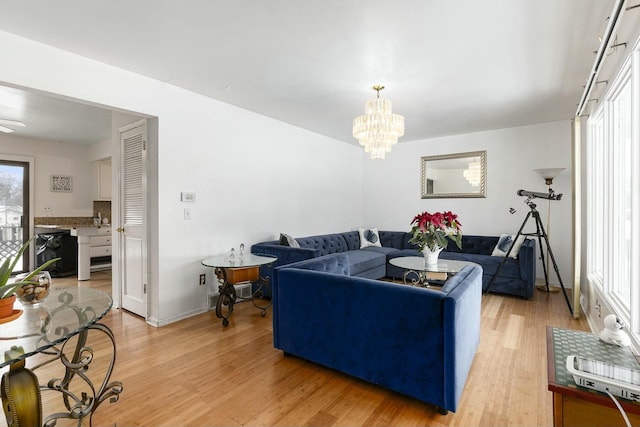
(120, 229)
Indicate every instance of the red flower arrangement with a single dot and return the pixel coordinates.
(433, 230)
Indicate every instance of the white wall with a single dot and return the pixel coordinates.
(58, 158)
(253, 176)
(101, 150)
(392, 193)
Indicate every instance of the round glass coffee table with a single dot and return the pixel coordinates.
(417, 273)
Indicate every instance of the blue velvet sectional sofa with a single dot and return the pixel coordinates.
(517, 276)
(416, 341)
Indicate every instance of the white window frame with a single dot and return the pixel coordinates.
(612, 231)
(595, 213)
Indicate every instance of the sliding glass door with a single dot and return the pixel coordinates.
(14, 211)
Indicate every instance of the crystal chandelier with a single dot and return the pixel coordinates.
(378, 129)
(473, 174)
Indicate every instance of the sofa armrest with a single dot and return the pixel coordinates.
(462, 308)
(527, 261)
(286, 254)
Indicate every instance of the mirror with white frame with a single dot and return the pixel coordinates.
(454, 175)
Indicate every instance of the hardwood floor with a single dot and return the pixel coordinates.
(197, 373)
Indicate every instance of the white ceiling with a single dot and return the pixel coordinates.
(449, 67)
(54, 118)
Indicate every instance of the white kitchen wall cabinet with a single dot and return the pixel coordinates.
(102, 179)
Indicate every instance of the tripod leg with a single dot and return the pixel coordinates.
(542, 257)
(555, 265)
(495, 275)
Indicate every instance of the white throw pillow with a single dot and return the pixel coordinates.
(504, 243)
(369, 237)
(287, 240)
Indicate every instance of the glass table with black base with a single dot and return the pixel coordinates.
(418, 273)
(226, 268)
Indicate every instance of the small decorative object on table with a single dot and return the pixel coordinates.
(36, 290)
(613, 332)
(7, 290)
(431, 231)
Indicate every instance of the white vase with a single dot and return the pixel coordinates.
(431, 256)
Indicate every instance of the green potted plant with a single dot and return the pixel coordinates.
(7, 290)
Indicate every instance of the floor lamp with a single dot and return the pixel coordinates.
(548, 175)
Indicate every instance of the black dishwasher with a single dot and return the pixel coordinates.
(59, 244)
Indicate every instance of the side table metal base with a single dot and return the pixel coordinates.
(230, 271)
(259, 295)
(227, 297)
(21, 398)
(420, 279)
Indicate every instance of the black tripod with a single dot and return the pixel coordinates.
(541, 234)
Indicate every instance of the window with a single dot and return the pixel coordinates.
(612, 171)
(595, 199)
(620, 157)
(14, 210)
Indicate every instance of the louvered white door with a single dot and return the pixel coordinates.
(133, 250)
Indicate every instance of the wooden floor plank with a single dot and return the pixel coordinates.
(197, 373)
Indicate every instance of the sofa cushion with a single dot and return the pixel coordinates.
(352, 238)
(403, 252)
(334, 263)
(393, 239)
(361, 261)
(481, 245)
(287, 240)
(382, 250)
(325, 244)
(489, 263)
(369, 237)
(407, 244)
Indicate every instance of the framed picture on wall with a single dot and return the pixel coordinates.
(61, 184)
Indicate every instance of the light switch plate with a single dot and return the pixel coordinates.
(187, 213)
(188, 196)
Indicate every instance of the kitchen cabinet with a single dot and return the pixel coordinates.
(94, 249)
(102, 184)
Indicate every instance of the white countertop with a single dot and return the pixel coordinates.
(71, 227)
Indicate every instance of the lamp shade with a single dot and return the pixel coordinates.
(549, 174)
